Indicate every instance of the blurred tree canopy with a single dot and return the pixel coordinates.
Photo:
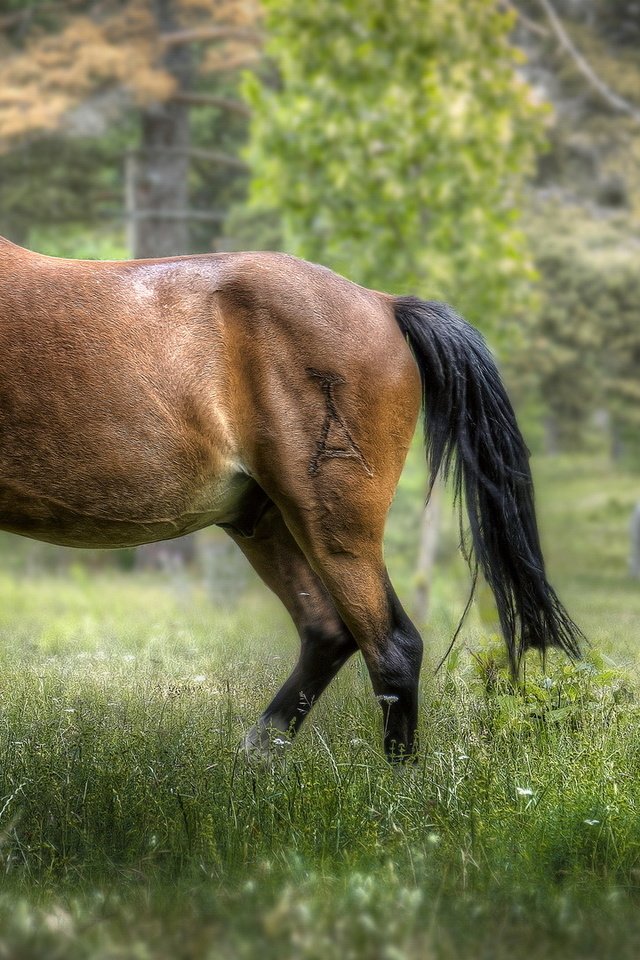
(57, 55)
(96, 79)
(394, 144)
(580, 352)
(581, 349)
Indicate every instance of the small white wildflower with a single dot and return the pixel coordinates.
(387, 698)
(281, 742)
(524, 791)
(433, 839)
(59, 921)
(547, 683)
(358, 742)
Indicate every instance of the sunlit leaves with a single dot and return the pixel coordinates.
(395, 145)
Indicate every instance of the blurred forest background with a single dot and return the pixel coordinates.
(484, 153)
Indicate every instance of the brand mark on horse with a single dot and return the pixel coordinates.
(336, 440)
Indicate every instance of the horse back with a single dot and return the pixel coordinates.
(112, 398)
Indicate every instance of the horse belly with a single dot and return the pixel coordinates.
(119, 521)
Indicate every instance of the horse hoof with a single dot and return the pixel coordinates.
(264, 743)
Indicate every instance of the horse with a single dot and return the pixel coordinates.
(142, 400)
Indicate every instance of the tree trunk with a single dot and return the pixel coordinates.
(551, 435)
(617, 444)
(634, 531)
(157, 184)
(429, 537)
(158, 173)
(157, 198)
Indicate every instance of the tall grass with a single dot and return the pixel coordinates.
(131, 825)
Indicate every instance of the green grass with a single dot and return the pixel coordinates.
(131, 826)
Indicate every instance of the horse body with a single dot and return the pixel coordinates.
(142, 400)
(115, 415)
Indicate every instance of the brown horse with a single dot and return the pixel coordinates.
(143, 400)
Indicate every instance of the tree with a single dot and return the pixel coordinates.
(559, 357)
(634, 542)
(71, 67)
(580, 351)
(61, 185)
(395, 143)
(621, 353)
(584, 219)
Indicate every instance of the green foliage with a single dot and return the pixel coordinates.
(394, 144)
(622, 358)
(560, 356)
(581, 350)
(569, 693)
(61, 184)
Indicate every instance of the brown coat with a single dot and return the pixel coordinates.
(138, 399)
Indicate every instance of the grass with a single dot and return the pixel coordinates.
(130, 825)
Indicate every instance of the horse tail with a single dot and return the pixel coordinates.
(471, 433)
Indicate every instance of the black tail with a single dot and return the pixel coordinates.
(471, 431)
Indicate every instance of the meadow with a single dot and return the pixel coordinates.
(132, 826)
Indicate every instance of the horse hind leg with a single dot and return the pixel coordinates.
(325, 642)
(359, 585)
(335, 504)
